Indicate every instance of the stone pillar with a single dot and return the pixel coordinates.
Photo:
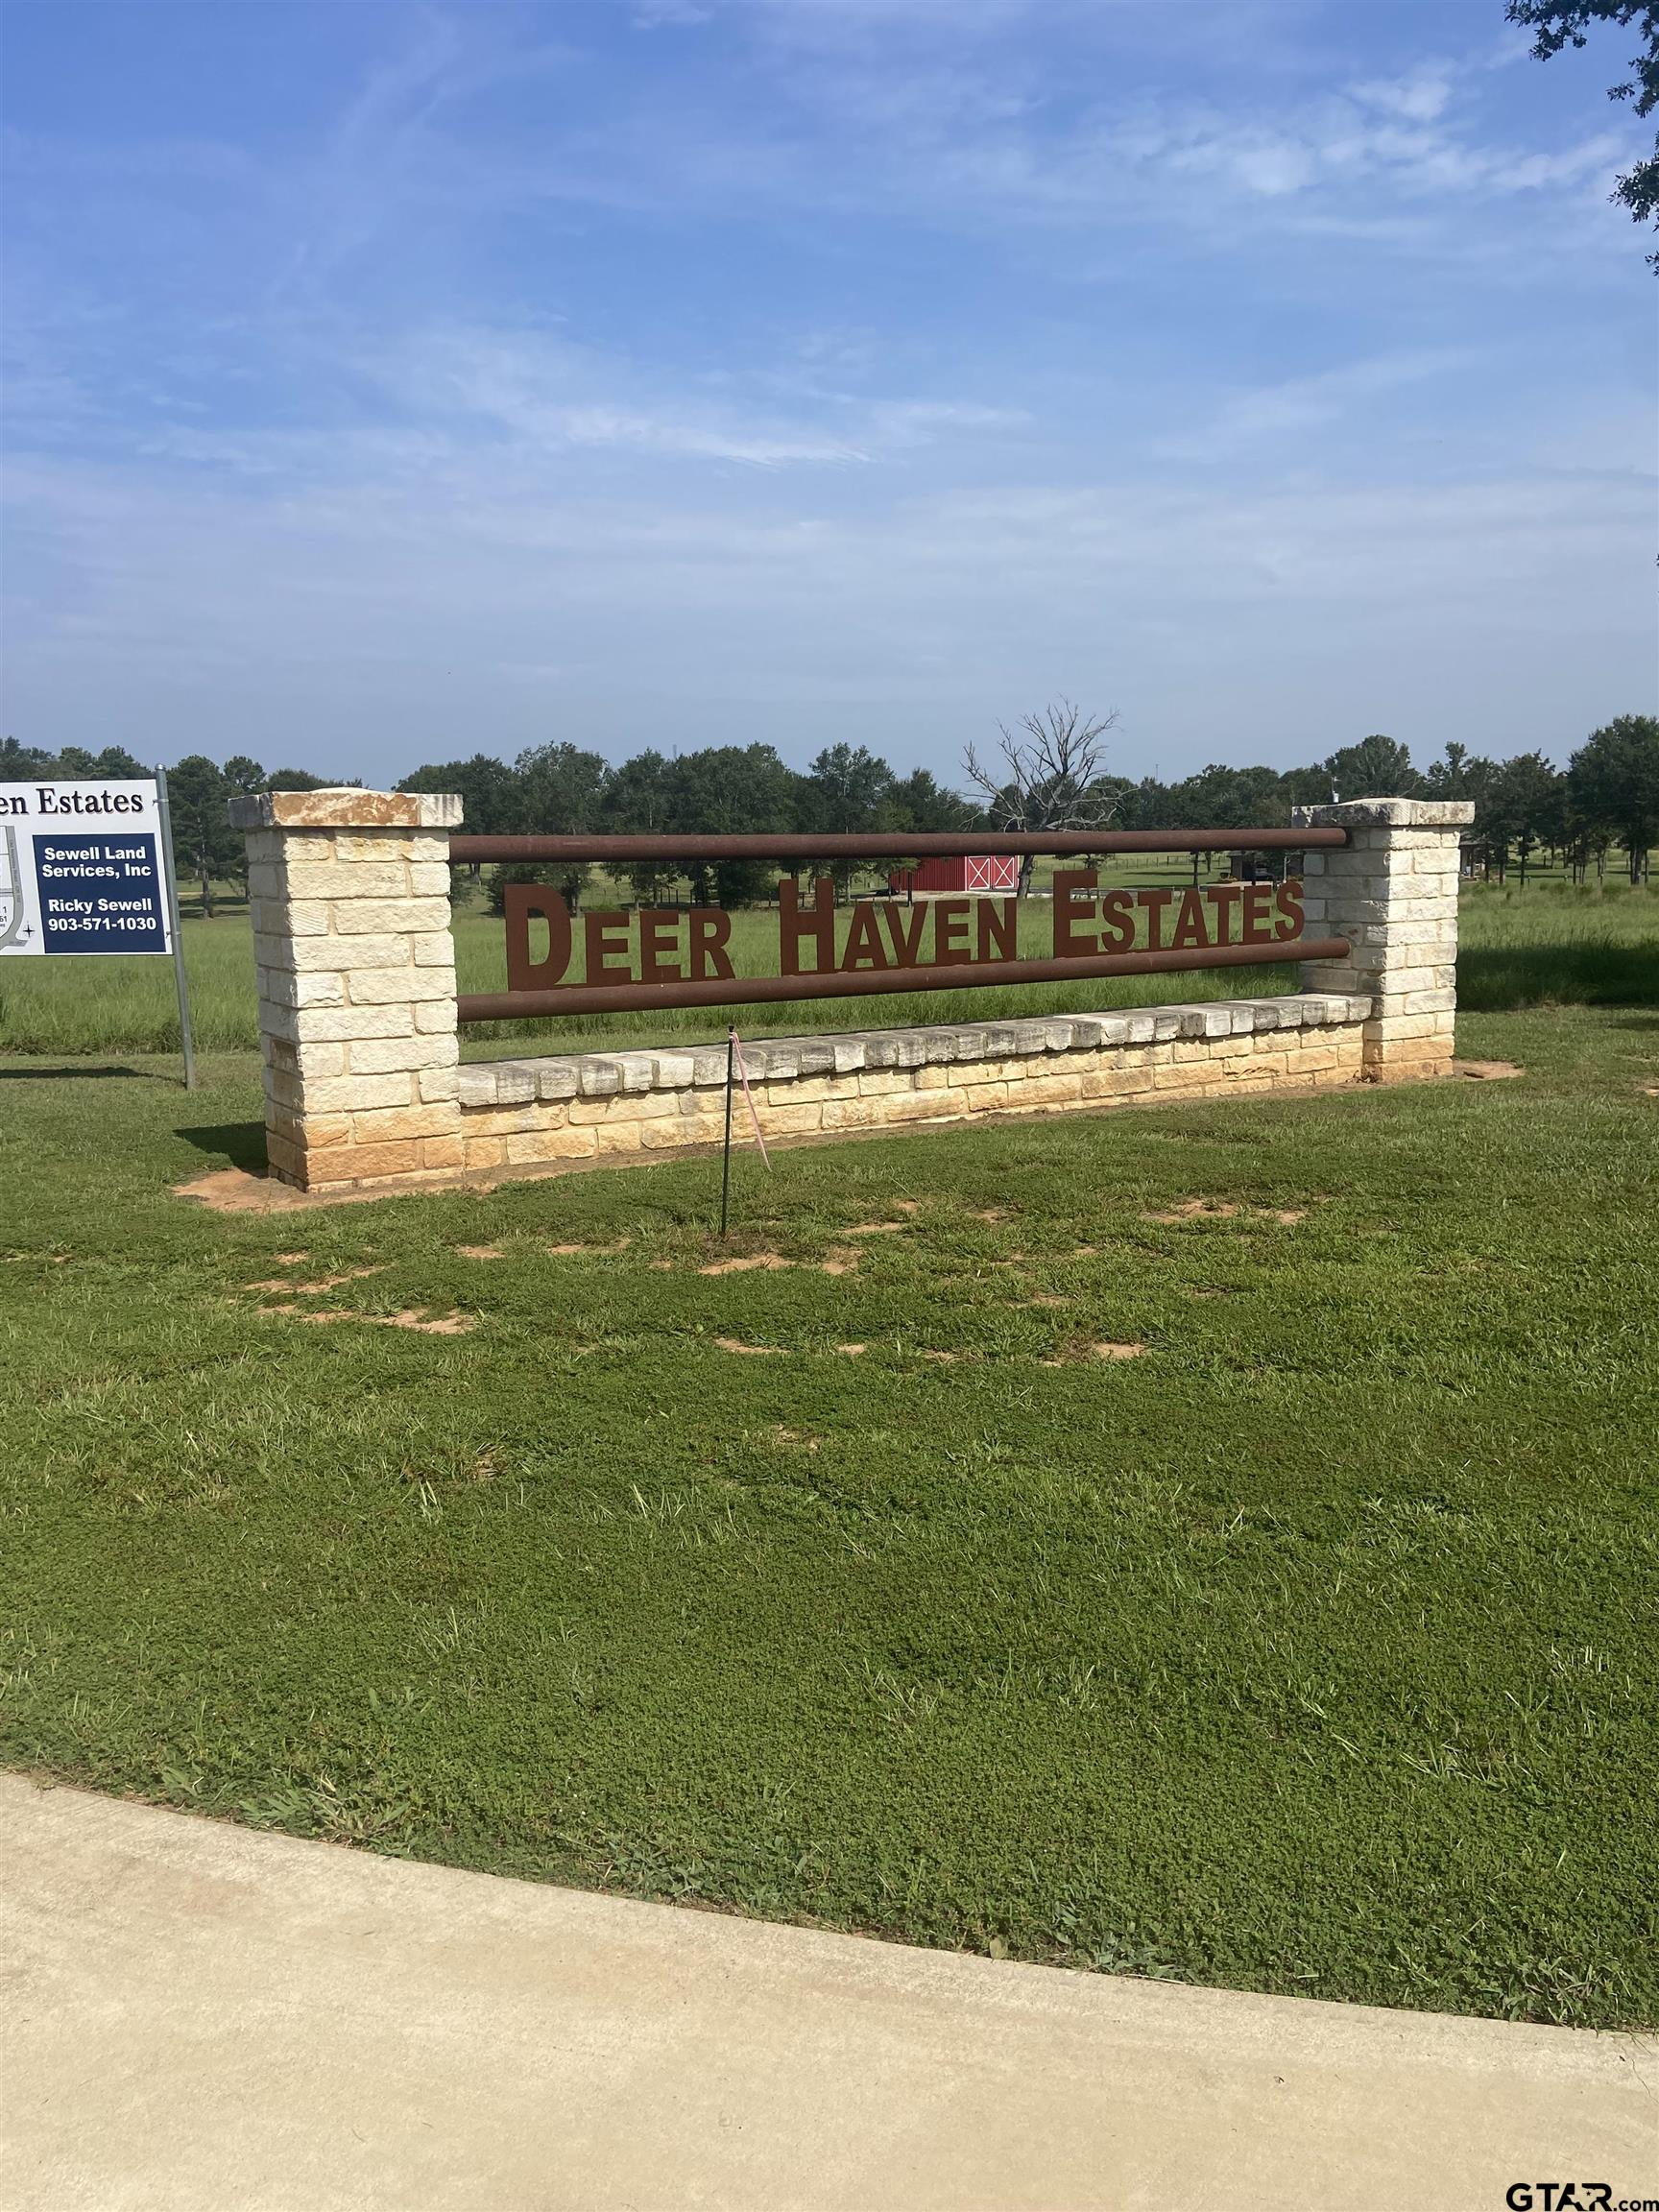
(349, 892)
(1393, 893)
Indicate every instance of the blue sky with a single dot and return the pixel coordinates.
(391, 382)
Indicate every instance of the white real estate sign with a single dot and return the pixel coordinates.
(82, 869)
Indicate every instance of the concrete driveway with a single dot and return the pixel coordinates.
(200, 2016)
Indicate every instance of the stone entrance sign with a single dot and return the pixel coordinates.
(358, 1012)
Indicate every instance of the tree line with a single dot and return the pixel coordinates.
(1047, 774)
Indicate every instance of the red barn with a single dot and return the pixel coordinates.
(967, 872)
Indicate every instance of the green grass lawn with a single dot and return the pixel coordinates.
(1311, 1649)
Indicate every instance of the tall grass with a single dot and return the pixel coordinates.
(1551, 944)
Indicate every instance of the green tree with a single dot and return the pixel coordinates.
(1559, 24)
(491, 794)
(1525, 801)
(22, 763)
(917, 801)
(1376, 768)
(640, 798)
(1613, 782)
(203, 843)
(733, 790)
(563, 791)
(847, 791)
(1444, 778)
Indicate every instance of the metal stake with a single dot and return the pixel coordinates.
(172, 883)
(726, 1158)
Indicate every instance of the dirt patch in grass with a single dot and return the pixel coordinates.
(1224, 1209)
(751, 1351)
(1079, 1355)
(1486, 1070)
(588, 1251)
(771, 1262)
(414, 1318)
(323, 1282)
(480, 1252)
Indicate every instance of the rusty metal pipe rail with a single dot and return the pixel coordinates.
(897, 844)
(975, 976)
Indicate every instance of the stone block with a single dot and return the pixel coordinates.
(545, 1144)
(989, 1098)
(277, 918)
(851, 1114)
(381, 1055)
(613, 1136)
(355, 1094)
(337, 1024)
(638, 1071)
(340, 806)
(437, 1014)
(789, 1120)
(1108, 1082)
(321, 1132)
(390, 917)
(363, 1162)
(671, 1133)
(403, 986)
(324, 878)
(396, 1124)
(348, 955)
(673, 1071)
(435, 949)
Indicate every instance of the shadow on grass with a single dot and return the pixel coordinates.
(1504, 978)
(74, 1074)
(240, 1142)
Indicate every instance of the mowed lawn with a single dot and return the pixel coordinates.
(1215, 1542)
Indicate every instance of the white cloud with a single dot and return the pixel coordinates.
(378, 621)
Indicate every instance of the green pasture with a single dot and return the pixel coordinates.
(1552, 943)
(1216, 1542)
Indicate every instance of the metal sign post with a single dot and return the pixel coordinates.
(726, 1156)
(178, 975)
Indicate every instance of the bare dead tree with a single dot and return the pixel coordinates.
(1044, 775)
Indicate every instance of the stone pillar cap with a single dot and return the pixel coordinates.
(343, 807)
(1385, 814)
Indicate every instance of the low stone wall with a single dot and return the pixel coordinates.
(526, 1114)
